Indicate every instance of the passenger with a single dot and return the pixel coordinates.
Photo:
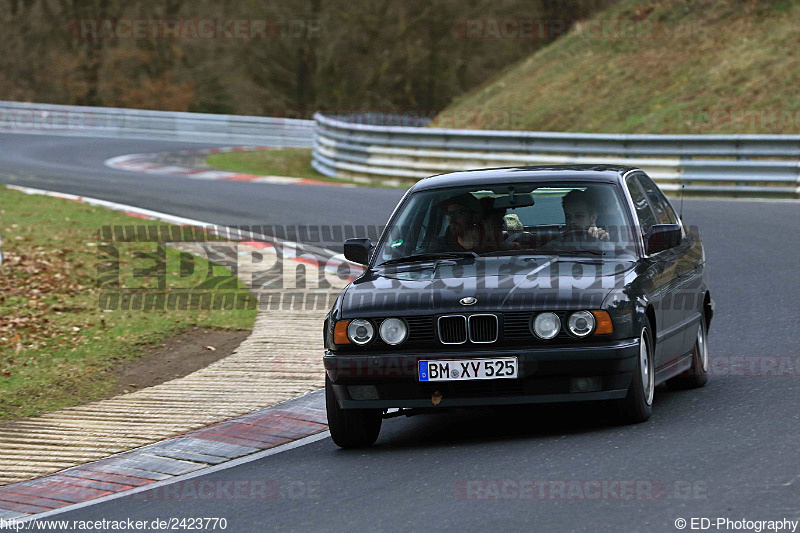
(492, 226)
(580, 214)
(474, 225)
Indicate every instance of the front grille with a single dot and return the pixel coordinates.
(420, 329)
(516, 325)
(483, 328)
(479, 329)
(453, 329)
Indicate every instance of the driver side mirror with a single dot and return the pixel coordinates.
(662, 237)
(357, 250)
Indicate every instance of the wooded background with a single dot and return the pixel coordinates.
(338, 56)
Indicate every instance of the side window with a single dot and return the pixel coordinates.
(664, 212)
(643, 211)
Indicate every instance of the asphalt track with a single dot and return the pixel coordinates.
(727, 450)
(75, 165)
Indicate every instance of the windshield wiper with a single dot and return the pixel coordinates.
(433, 256)
(578, 252)
(543, 251)
(521, 251)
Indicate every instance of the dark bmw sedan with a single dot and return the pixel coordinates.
(517, 286)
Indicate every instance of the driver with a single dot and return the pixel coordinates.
(580, 214)
(464, 232)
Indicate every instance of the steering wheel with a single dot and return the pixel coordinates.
(576, 234)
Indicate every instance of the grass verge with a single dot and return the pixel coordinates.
(705, 66)
(292, 162)
(56, 343)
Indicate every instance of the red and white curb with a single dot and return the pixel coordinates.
(232, 441)
(149, 163)
(178, 459)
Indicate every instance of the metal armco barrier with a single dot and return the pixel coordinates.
(713, 165)
(49, 119)
(396, 149)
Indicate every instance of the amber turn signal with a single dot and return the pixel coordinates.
(604, 325)
(340, 332)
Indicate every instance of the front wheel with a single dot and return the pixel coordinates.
(351, 428)
(697, 375)
(637, 406)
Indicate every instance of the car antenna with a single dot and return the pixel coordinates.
(680, 211)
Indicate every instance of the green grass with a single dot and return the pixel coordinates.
(292, 162)
(56, 343)
(705, 66)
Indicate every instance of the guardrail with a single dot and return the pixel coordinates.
(714, 165)
(394, 149)
(50, 119)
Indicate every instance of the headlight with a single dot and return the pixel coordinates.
(581, 323)
(360, 331)
(393, 331)
(546, 325)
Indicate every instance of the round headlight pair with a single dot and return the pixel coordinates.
(392, 331)
(548, 325)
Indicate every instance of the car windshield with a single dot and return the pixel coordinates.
(510, 219)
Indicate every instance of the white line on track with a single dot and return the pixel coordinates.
(177, 479)
(332, 259)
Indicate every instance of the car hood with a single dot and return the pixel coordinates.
(485, 284)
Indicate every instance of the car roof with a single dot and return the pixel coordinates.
(589, 173)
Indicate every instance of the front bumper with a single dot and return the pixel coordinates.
(545, 375)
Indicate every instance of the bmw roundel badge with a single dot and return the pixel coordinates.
(469, 300)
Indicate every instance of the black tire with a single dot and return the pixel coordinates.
(351, 428)
(697, 375)
(637, 406)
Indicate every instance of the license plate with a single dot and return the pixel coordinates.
(466, 369)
